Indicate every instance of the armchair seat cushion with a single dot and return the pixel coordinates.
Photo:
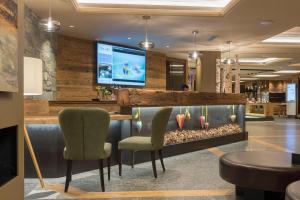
(136, 143)
(107, 149)
(100, 155)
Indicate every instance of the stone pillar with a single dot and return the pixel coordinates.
(228, 78)
(198, 75)
(218, 76)
(237, 88)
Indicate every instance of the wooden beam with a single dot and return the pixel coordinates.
(156, 98)
(54, 119)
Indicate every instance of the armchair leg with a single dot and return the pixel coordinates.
(69, 175)
(108, 168)
(161, 159)
(153, 163)
(120, 162)
(101, 175)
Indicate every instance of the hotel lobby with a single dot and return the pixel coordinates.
(149, 99)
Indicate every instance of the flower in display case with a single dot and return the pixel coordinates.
(139, 123)
(233, 116)
(180, 118)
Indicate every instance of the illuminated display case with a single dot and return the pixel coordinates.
(198, 120)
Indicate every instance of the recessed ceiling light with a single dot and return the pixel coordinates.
(288, 72)
(129, 38)
(168, 46)
(291, 36)
(171, 3)
(266, 22)
(258, 60)
(294, 65)
(71, 26)
(266, 75)
(249, 79)
(240, 81)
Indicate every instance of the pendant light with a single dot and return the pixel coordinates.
(48, 24)
(146, 44)
(229, 60)
(195, 54)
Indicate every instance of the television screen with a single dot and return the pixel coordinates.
(120, 65)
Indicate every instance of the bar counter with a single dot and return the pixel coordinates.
(54, 119)
(224, 117)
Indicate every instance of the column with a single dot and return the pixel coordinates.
(207, 77)
(237, 88)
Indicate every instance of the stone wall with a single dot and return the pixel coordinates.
(39, 44)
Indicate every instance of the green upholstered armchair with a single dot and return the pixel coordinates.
(152, 144)
(85, 131)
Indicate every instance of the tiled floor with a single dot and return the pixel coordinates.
(190, 176)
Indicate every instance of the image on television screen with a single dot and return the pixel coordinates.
(120, 65)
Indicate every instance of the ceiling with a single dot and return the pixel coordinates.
(241, 24)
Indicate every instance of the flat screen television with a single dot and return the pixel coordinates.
(120, 65)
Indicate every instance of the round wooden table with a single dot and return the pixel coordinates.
(293, 191)
(259, 174)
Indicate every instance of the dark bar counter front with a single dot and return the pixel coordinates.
(198, 121)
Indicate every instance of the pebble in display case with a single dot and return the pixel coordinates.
(192, 123)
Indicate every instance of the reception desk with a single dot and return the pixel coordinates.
(265, 110)
(224, 117)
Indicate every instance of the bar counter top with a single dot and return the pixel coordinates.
(54, 119)
(157, 98)
(76, 102)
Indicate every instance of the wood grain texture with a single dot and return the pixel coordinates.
(77, 193)
(277, 86)
(149, 98)
(33, 158)
(37, 107)
(57, 106)
(76, 69)
(156, 70)
(54, 119)
(34, 107)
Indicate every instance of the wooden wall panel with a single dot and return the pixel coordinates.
(76, 69)
(277, 86)
(156, 70)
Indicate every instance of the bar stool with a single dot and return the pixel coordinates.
(152, 144)
(85, 132)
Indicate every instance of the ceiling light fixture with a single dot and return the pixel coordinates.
(229, 60)
(48, 24)
(71, 26)
(291, 36)
(195, 54)
(266, 22)
(146, 44)
(129, 38)
(266, 75)
(294, 65)
(171, 3)
(249, 79)
(288, 72)
(259, 61)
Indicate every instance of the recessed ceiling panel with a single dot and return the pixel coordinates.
(159, 7)
(291, 36)
(170, 3)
